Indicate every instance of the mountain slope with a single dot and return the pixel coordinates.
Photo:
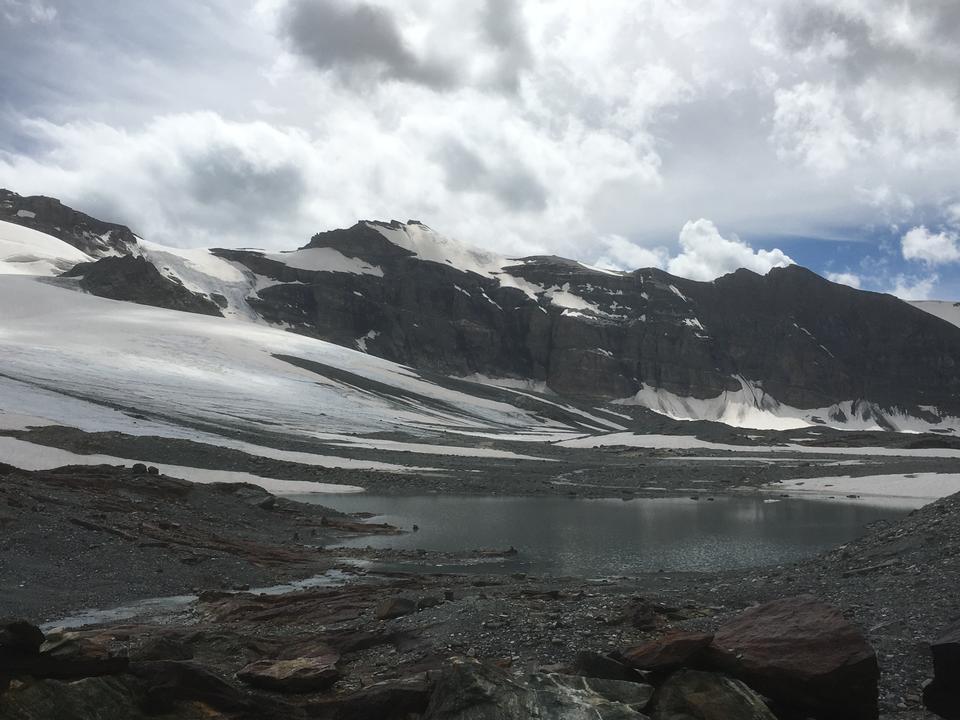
(783, 350)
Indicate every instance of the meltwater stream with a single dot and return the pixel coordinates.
(595, 538)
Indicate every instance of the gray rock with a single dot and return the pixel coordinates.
(695, 695)
(471, 690)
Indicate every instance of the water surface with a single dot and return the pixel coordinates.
(595, 538)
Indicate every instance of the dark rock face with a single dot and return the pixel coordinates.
(694, 695)
(802, 653)
(134, 279)
(48, 215)
(810, 342)
(942, 696)
(797, 338)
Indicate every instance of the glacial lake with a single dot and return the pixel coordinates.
(604, 538)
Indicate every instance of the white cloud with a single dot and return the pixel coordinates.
(809, 123)
(931, 248)
(914, 288)
(707, 255)
(621, 254)
(845, 278)
(31, 11)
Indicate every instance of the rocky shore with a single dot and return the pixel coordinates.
(425, 645)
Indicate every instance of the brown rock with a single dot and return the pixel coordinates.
(298, 675)
(670, 652)
(802, 653)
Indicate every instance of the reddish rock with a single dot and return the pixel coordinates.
(804, 654)
(669, 652)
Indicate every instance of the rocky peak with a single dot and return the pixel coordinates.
(48, 215)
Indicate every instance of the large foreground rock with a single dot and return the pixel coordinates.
(942, 696)
(470, 690)
(695, 695)
(297, 675)
(804, 654)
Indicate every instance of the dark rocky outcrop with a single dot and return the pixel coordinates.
(134, 279)
(807, 342)
(810, 342)
(942, 696)
(48, 215)
(802, 653)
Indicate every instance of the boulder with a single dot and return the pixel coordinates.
(670, 652)
(804, 654)
(696, 695)
(594, 665)
(942, 696)
(395, 607)
(19, 638)
(471, 690)
(297, 675)
(635, 695)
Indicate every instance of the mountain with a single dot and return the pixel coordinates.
(783, 350)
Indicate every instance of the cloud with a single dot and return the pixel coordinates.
(621, 254)
(16, 12)
(514, 184)
(931, 248)
(504, 27)
(914, 288)
(191, 179)
(810, 124)
(351, 38)
(845, 278)
(706, 255)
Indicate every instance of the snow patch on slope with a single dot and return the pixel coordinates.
(752, 407)
(219, 372)
(24, 251)
(322, 259)
(949, 311)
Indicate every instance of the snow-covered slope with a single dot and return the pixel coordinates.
(93, 363)
(949, 311)
(751, 407)
(28, 252)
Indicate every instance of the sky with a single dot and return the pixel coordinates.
(696, 136)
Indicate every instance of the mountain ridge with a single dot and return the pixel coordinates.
(789, 344)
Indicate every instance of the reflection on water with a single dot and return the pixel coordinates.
(593, 538)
